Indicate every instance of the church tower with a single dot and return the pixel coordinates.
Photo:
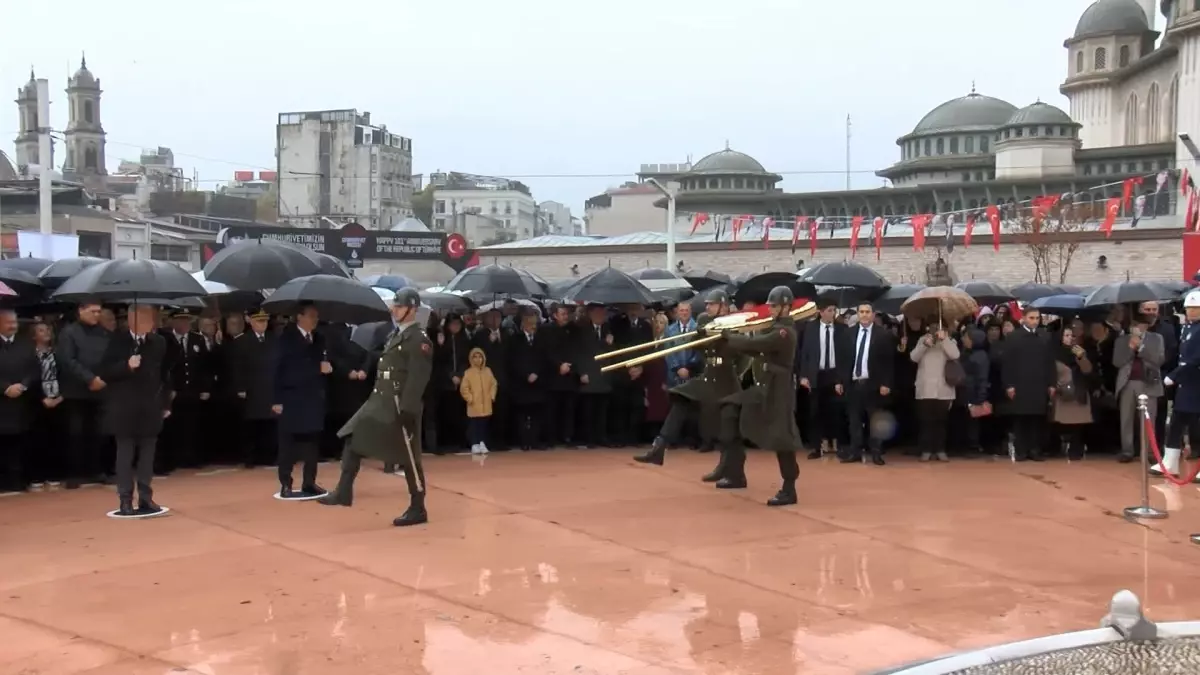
(84, 134)
(27, 137)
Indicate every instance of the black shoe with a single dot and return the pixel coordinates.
(877, 459)
(1124, 458)
(1036, 458)
(782, 498)
(855, 459)
(655, 455)
(336, 498)
(413, 516)
(285, 492)
(313, 490)
(71, 484)
(147, 507)
(731, 483)
(126, 508)
(815, 454)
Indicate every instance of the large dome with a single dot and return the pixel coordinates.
(1039, 113)
(410, 225)
(6, 168)
(1104, 17)
(728, 161)
(972, 111)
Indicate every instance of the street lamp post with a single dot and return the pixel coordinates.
(670, 221)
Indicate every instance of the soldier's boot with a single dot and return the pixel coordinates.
(657, 453)
(126, 507)
(415, 514)
(343, 494)
(786, 495)
(718, 471)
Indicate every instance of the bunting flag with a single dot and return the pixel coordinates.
(800, 222)
(878, 225)
(855, 225)
(813, 226)
(1139, 207)
(967, 230)
(1041, 207)
(993, 216)
(767, 224)
(738, 223)
(1111, 209)
(919, 223)
(950, 233)
(698, 219)
(1190, 214)
(1127, 187)
(1185, 183)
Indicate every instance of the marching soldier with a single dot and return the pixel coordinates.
(700, 397)
(764, 414)
(388, 426)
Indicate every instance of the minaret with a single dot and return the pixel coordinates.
(84, 134)
(27, 137)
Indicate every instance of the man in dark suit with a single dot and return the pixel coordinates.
(867, 375)
(1028, 374)
(137, 400)
(559, 339)
(251, 375)
(20, 371)
(348, 385)
(595, 388)
(299, 372)
(528, 365)
(189, 365)
(822, 351)
(628, 409)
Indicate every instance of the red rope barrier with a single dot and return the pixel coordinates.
(1148, 428)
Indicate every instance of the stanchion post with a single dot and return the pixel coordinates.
(1144, 510)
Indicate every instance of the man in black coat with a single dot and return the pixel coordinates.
(136, 402)
(628, 409)
(20, 372)
(251, 375)
(562, 378)
(867, 374)
(528, 364)
(348, 384)
(1028, 374)
(299, 374)
(79, 352)
(822, 350)
(495, 341)
(189, 363)
(593, 336)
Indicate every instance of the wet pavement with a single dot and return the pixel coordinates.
(583, 562)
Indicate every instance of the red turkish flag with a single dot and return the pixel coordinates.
(698, 220)
(812, 235)
(800, 222)
(967, 232)
(1127, 192)
(919, 223)
(993, 216)
(768, 223)
(1042, 206)
(878, 225)
(855, 225)
(1183, 183)
(1111, 209)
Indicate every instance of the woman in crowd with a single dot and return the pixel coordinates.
(45, 454)
(450, 361)
(934, 394)
(1072, 405)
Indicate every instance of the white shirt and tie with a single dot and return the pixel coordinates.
(862, 370)
(828, 347)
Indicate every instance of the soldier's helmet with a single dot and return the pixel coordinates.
(717, 295)
(407, 297)
(781, 296)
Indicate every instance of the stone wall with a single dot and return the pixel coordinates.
(1160, 257)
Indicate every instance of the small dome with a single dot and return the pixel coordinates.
(1039, 113)
(7, 172)
(728, 161)
(971, 111)
(1105, 17)
(83, 77)
(29, 91)
(410, 225)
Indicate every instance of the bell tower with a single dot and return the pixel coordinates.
(27, 137)
(84, 134)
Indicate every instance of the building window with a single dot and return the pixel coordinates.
(1033, 131)
(439, 223)
(941, 146)
(739, 183)
(493, 207)
(712, 183)
(1101, 168)
(374, 163)
(1101, 58)
(167, 253)
(439, 206)
(978, 175)
(969, 141)
(1123, 56)
(508, 208)
(89, 158)
(928, 147)
(954, 145)
(89, 114)
(973, 204)
(983, 144)
(1087, 169)
(966, 176)
(1078, 62)
(1164, 164)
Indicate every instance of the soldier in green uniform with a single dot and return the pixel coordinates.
(388, 426)
(764, 414)
(699, 398)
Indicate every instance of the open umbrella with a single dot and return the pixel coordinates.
(1062, 305)
(259, 264)
(392, 282)
(843, 273)
(985, 292)
(337, 299)
(1029, 291)
(57, 272)
(7, 291)
(129, 279)
(558, 289)
(658, 279)
(21, 281)
(331, 265)
(499, 304)
(30, 264)
(706, 279)
(496, 279)
(894, 297)
(1128, 292)
(755, 288)
(610, 286)
(447, 302)
(943, 303)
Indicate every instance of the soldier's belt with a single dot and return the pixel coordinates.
(713, 361)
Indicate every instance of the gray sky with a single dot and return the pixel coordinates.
(543, 87)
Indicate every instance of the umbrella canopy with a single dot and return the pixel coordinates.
(893, 298)
(57, 272)
(129, 279)
(1129, 292)
(184, 303)
(1029, 291)
(658, 279)
(985, 292)
(496, 279)
(1062, 305)
(498, 305)
(392, 282)
(943, 303)
(228, 298)
(30, 265)
(447, 302)
(7, 291)
(845, 273)
(260, 264)
(558, 289)
(336, 298)
(331, 265)
(21, 281)
(848, 296)
(610, 286)
(706, 279)
(755, 288)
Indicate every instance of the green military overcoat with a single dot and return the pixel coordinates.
(768, 418)
(719, 378)
(403, 372)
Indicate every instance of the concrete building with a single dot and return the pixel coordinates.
(335, 164)
(554, 218)
(248, 185)
(507, 201)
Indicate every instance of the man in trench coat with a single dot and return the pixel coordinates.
(388, 426)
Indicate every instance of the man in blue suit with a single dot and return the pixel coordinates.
(1185, 377)
(300, 369)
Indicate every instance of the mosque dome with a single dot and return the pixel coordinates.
(728, 161)
(410, 225)
(1039, 113)
(7, 172)
(970, 112)
(1105, 17)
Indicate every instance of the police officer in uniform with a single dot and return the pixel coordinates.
(764, 414)
(388, 426)
(188, 366)
(700, 397)
(1185, 378)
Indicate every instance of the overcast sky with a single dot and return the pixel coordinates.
(542, 90)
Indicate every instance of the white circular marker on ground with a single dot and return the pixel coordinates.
(163, 510)
(298, 498)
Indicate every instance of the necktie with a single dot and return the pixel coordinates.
(260, 337)
(598, 335)
(828, 359)
(862, 353)
(529, 336)
(308, 338)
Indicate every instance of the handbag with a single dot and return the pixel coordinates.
(982, 410)
(954, 373)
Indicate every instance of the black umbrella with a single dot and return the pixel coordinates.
(496, 279)
(30, 265)
(1062, 305)
(447, 302)
(331, 265)
(702, 281)
(558, 289)
(1129, 292)
(129, 279)
(392, 282)
(653, 273)
(985, 292)
(498, 305)
(59, 271)
(610, 286)
(843, 273)
(337, 299)
(22, 282)
(755, 288)
(185, 303)
(894, 297)
(1029, 291)
(372, 336)
(259, 264)
(847, 296)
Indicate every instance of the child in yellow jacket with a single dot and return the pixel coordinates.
(478, 389)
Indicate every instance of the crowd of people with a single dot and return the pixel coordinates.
(250, 389)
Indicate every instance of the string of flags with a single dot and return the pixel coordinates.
(1037, 209)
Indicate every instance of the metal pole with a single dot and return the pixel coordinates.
(670, 220)
(46, 161)
(1144, 510)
